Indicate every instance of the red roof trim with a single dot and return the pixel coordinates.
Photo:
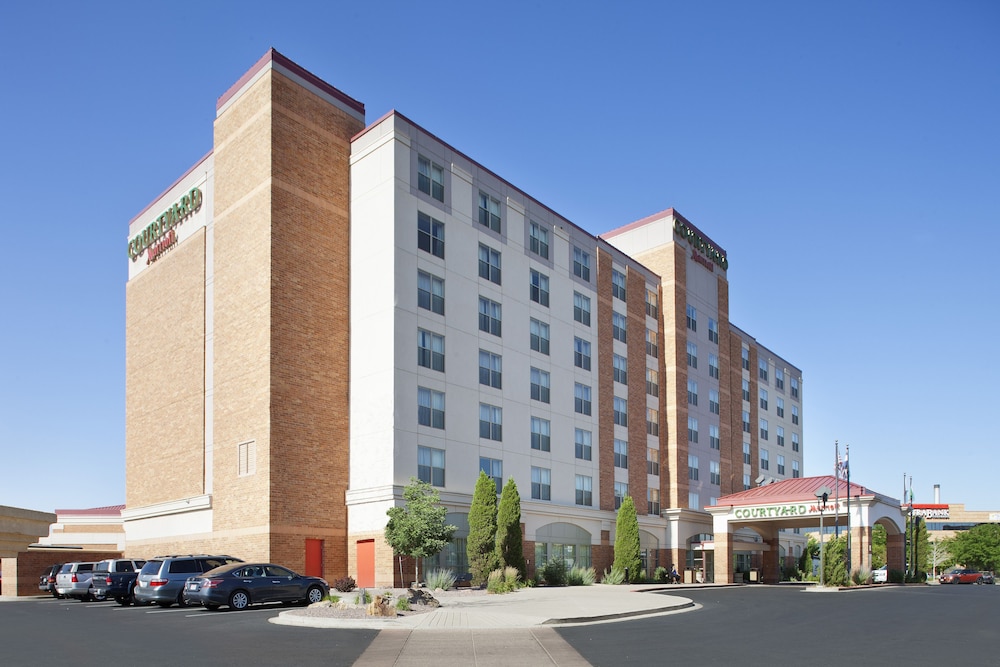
(802, 489)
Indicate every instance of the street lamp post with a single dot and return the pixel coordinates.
(822, 495)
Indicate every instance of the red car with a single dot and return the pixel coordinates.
(960, 576)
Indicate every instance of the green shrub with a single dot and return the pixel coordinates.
(363, 598)
(512, 577)
(402, 604)
(895, 576)
(345, 584)
(554, 572)
(441, 578)
(861, 576)
(333, 599)
(614, 577)
(497, 583)
(581, 576)
(660, 574)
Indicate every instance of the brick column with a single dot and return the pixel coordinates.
(894, 552)
(771, 568)
(861, 540)
(723, 557)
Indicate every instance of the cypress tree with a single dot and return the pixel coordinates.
(510, 548)
(627, 540)
(480, 545)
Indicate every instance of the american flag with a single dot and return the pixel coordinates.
(842, 469)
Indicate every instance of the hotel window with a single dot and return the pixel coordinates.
(621, 491)
(781, 464)
(795, 415)
(539, 290)
(430, 407)
(430, 178)
(713, 437)
(765, 460)
(493, 468)
(713, 331)
(746, 453)
(490, 422)
(430, 293)
(583, 441)
(746, 390)
(762, 369)
(652, 382)
(692, 352)
(539, 336)
(692, 318)
(746, 482)
(746, 359)
(541, 483)
(618, 284)
(780, 431)
(763, 429)
(581, 354)
(746, 421)
(246, 455)
(489, 264)
(779, 379)
(490, 369)
(581, 308)
(713, 401)
(581, 399)
(692, 392)
(795, 442)
(652, 501)
(693, 500)
(540, 381)
(541, 434)
(796, 473)
(430, 465)
(651, 348)
(714, 473)
(652, 304)
(581, 264)
(620, 369)
(620, 409)
(538, 241)
(692, 429)
(489, 212)
(763, 399)
(652, 461)
(584, 490)
(713, 366)
(618, 326)
(795, 388)
(430, 350)
(621, 454)
(713, 501)
(693, 467)
(430, 235)
(652, 422)
(490, 315)
(779, 407)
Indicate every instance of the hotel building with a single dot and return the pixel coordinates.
(321, 309)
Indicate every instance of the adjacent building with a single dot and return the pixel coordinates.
(321, 309)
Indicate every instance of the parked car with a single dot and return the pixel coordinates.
(47, 582)
(73, 580)
(115, 578)
(961, 576)
(988, 578)
(880, 575)
(161, 579)
(242, 584)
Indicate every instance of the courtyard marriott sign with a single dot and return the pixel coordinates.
(783, 511)
(159, 234)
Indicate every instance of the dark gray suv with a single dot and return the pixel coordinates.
(161, 579)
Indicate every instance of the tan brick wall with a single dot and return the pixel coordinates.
(165, 377)
(21, 571)
(386, 565)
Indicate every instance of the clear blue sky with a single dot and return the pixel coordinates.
(845, 154)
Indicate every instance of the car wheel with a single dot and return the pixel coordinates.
(98, 598)
(979, 581)
(181, 602)
(211, 606)
(122, 601)
(314, 595)
(239, 600)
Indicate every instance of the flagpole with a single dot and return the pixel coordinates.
(847, 469)
(836, 487)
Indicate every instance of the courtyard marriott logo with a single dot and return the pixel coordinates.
(159, 235)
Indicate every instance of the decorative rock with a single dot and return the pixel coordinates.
(419, 596)
(382, 606)
(321, 603)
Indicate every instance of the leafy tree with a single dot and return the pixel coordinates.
(481, 543)
(509, 547)
(834, 567)
(809, 554)
(978, 547)
(627, 539)
(417, 528)
(940, 555)
(879, 546)
(923, 545)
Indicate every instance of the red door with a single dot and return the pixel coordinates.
(314, 558)
(366, 563)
